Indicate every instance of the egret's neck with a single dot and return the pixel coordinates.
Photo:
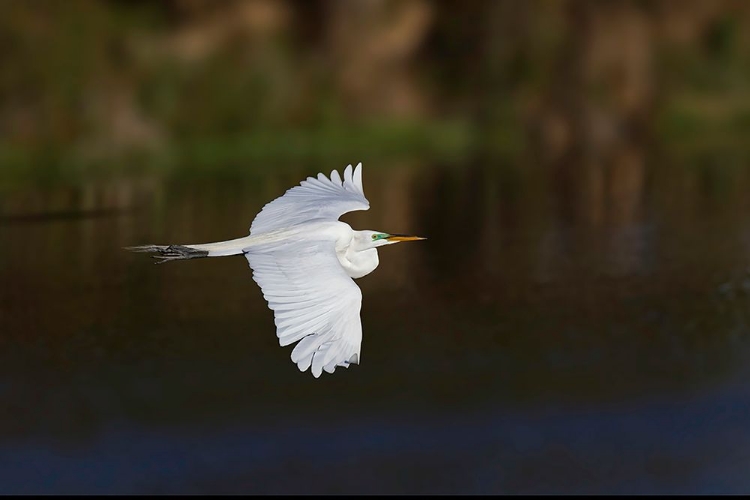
(358, 263)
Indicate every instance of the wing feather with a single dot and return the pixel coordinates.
(318, 198)
(314, 301)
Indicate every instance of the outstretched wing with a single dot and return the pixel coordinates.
(314, 301)
(314, 199)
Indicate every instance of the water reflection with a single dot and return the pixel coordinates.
(590, 321)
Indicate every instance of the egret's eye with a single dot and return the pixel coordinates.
(374, 236)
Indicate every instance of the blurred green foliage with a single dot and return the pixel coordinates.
(93, 87)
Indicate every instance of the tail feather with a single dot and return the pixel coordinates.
(166, 253)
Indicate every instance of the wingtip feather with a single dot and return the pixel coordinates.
(358, 177)
(335, 177)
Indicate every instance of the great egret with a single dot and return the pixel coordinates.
(304, 258)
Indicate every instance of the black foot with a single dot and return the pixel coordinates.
(171, 252)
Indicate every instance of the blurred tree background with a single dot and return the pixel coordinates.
(92, 87)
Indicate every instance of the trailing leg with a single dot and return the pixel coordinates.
(166, 253)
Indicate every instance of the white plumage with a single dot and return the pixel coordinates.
(304, 260)
(314, 199)
(314, 302)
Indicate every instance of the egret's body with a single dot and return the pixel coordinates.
(304, 258)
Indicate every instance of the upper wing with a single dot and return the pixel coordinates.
(314, 302)
(320, 198)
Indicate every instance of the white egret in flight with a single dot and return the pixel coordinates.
(304, 258)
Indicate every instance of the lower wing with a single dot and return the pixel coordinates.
(315, 303)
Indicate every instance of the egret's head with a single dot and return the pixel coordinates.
(373, 239)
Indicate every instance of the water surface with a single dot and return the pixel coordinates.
(571, 330)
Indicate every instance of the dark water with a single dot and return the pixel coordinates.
(570, 330)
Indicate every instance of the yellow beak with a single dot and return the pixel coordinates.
(400, 237)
